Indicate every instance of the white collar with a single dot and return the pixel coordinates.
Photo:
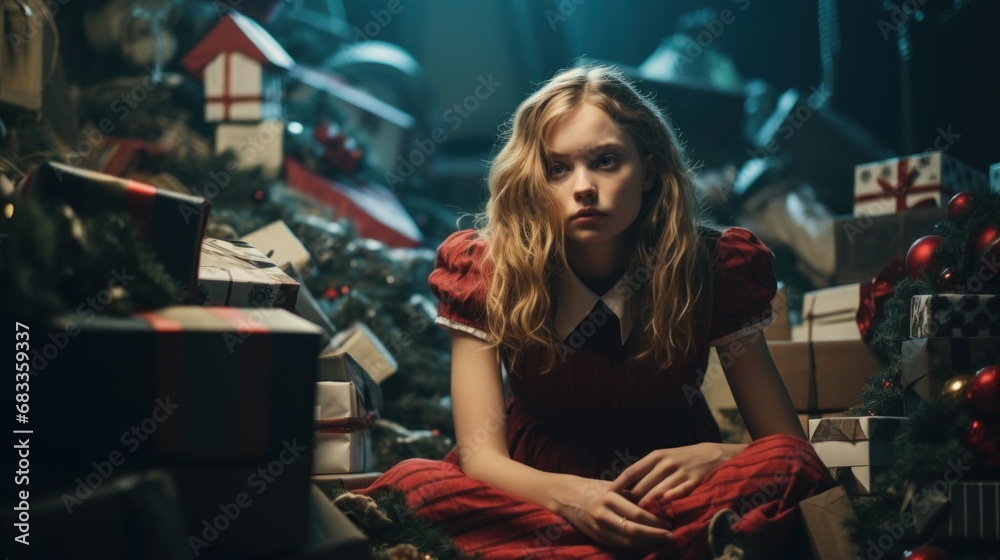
(576, 301)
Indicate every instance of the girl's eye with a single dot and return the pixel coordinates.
(557, 169)
(606, 161)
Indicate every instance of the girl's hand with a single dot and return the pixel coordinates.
(668, 474)
(595, 510)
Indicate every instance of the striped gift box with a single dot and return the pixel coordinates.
(973, 511)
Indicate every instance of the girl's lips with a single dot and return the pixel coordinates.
(587, 218)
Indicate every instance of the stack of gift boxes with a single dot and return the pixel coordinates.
(896, 202)
(205, 420)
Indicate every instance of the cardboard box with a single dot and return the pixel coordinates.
(831, 313)
(927, 363)
(236, 274)
(959, 315)
(343, 423)
(362, 344)
(280, 245)
(922, 180)
(255, 145)
(824, 376)
(825, 517)
(214, 395)
(865, 245)
(21, 53)
(172, 224)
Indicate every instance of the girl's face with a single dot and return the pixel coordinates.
(596, 169)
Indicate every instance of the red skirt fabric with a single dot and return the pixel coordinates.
(763, 484)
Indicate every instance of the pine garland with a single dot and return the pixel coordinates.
(933, 438)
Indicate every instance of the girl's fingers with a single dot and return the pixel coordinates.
(679, 491)
(653, 479)
(620, 507)
(634, 472)
(666, 484)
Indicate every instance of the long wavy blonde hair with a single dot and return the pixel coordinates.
(523, 225)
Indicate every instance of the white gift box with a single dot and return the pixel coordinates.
(255, 144)
(854, 441)
(858, 481)
(347, 452)
(280, 245)
(899, 184)
(362, 344)
(234, 273)
(830, 314)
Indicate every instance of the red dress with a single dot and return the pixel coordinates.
(594, 415)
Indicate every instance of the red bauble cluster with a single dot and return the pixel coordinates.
(983, 397)
(960, 203)
(339, 149)
(987, 243)
(927, 553)
(921, 255)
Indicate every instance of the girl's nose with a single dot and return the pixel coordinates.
(583, 185)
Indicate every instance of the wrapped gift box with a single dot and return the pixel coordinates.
(308, 308)
(21, 54)
(343, 439)
(959, 315)
(830, 314)
(362, 344)
(236, 274)
(973, 511)
(850, 441)
(927, 363)
(241, 65)
(824, 376)
(857, 449)
(129, 516)
(172, 224)
(214, 394)
(257, 144)
(374, 209)
(864, 245)
(825, 517)
(347, 402)
(281, 246)
(916, 181)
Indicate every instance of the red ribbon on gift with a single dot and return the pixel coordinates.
(226, 98)
(875, 294)
(905, 177)
(345, 425)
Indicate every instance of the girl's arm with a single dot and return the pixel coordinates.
(668, 474)
(758, 389)
(481, 433)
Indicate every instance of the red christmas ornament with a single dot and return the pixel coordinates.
(983, 437)
(950, 280)
(983, 391)
(927, 553)
(921, 255)
(960, 203)
(987, 243)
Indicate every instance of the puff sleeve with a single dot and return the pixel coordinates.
(744, 285)
(458, 282)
